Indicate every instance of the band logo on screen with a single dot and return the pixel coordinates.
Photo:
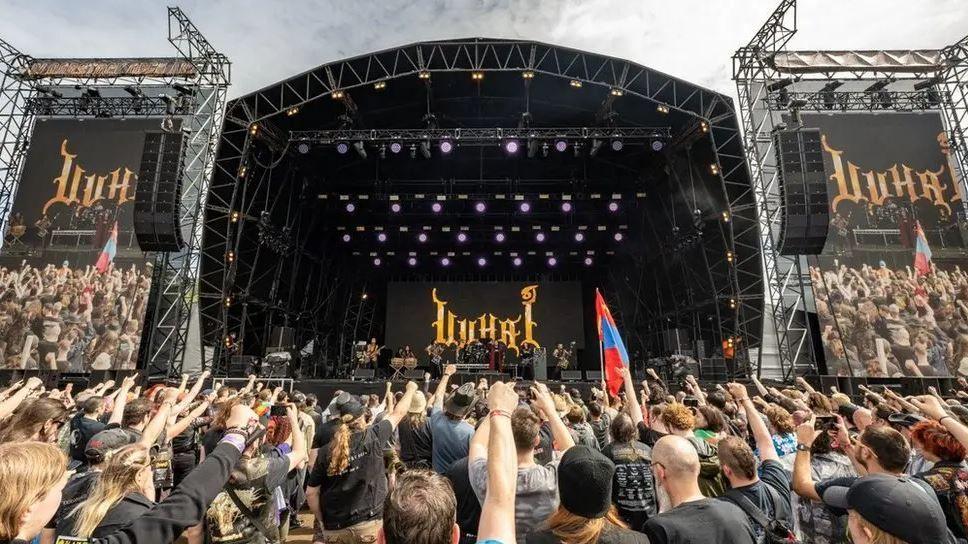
(899, 181)
(75, 186)
(454, 330)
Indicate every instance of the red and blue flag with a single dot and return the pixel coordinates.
(922, 252)
(106, 257)
(615, 357)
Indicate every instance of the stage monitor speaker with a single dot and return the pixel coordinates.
(363, 374)
(280, 338)
(805, 215)
(415, 374)
(676, 340)
(593, 375)
(571, 375)
(157, 197)
(243, 365)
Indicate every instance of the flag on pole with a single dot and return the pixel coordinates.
(922, 253)
(106, 257)
(614, 355)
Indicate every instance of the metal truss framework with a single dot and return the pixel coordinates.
(24, 94)
(942, 79)
(478, 135)
(235, 167)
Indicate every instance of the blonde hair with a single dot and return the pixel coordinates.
(877, 535)
(28, 470)
(339, 449)
(575, 529)
(119, 478)
(417, 419)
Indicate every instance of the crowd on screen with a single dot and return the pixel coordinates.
(882, 322)
(481, 463)
(72, 319)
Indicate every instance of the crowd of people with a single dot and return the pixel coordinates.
(72, 319)
(884, 322)
(486, 463)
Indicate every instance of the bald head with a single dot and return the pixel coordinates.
(678, 457)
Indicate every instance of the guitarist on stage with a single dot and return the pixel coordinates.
(436, 353)
(372, 353)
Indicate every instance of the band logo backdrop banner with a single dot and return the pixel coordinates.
(75, 282)
(891, 176)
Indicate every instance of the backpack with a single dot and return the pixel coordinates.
(711, 481)
(952, 483)
(238, 513)
(774, 530)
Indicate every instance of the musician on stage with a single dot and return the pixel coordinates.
(561, 356)
(526, 358)
(436, 353)
(406, 353)
(372, 352)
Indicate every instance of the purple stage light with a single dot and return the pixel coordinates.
(395, 207)
(462, 237)
(481, 261)
(516, 261)
(588, 261)
(480, 207)
(613, 206)
(382, 237)
(657, 145)
(525, 207)
(499, 237)
(446, 146)
(445, 262)
(617, 145)
(350, 207)
(396, 147)
(412, 261)
(561, 146)
(436, 207)
(552, 261)
(579, 237)
(346, 238)
(540, 237)
(618, 237)
(377, 262)
(342, 148)
(511, 147)
(422, 237)
(566, 207)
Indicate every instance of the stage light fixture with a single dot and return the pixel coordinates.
(446, 146)
(544, 149)
(360, 149)
(576, 149)
(729, 256)
(579, 237)
(527, 74)
(533, 146)
(617, 145)
(462, 237)
(412, 261)
(436, 207)
(480, 207)
(382, 237)
(422, 237)
(445, 261)
(511, 147)
(613, 206)
(657, 145)
(566, 206)
(235, 217)
(92, 92)
(130, 89)
(292, 111)
(337, 94)
(524, 207)
(481, 261)
(725, 217)
(499, 237)
(618, 237)
(617, 92)
(376, 262)
(596, 145)
(350, 207)
(423, 74)
(540, 237)
(425, 149)
(380, 85)
(303, 148)
(396, 147)
(588, 261)
(576, 84)
(346, 237)
(561, 146)
(395, 207)
(477, 76)
(662, 108)
(714, 168)
(779, 84)
(552, 261)
(703, 126)
(413, 151)
(516, 261)
(382, 150)
(342, 148)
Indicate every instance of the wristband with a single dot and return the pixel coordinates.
(236, 438)
(499, 413)
(744, 399)
(942, 418)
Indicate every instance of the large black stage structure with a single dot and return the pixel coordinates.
(478, 160)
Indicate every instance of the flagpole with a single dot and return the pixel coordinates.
(601, 344)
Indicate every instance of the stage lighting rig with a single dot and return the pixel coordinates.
(135, 92)
(50, 92)
(360, 149)
(181, 89)
(596, 145)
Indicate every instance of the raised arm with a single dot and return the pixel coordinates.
(441, 390)
(8, 406)
(634, 408)
(803, 483)
(764, 442)
(805, 385)
(120, 401)
(159, 421)
(933, 408)
(300, 451)
(192, 393)
(183, 423)
(400, 410)
(480, 440)
(546, 403)
(497, 512)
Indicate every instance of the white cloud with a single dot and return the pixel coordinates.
(268, 40)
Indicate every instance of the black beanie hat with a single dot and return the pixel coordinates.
(585, 482)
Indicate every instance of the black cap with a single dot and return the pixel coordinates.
(462, 400)
(904, 420)
(898, 505)
(106, 441)
(348, 405)
(585, 482)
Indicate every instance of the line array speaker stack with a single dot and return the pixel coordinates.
(158, 194)
(802, 180)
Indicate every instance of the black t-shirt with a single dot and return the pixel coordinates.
(131, 507)
(76, 490)
(416, 443)
(468, 507)
(610, 534)
(545, 452)
(648, 435)
(633, 486)
(356, 494)
(771, 494)
(706, 521)
(324, 433)
(211, 439)
(82, 429)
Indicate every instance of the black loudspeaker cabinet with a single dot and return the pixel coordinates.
(158, 194)
(805, 216)
(281, 338)
(593, 375)
(364, 374)
(571, 375)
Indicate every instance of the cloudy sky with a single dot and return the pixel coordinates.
(268, 40)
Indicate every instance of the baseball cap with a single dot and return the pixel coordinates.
(349, 406)
(896, 504)
(105, 442)
(904, 420)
